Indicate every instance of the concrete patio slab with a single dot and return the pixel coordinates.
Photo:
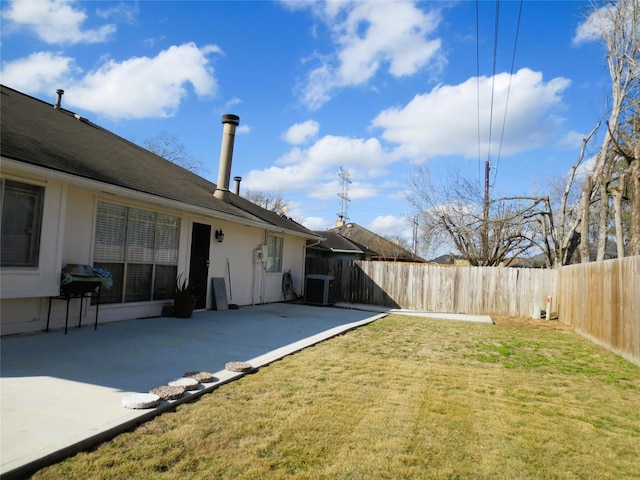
(63, 393)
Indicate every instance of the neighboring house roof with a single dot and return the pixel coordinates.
(450, 259)
(446, 259)
(336, 243)
(36, 133)
(384, 249)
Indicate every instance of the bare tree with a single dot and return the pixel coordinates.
(268, 200)
(613, 183)
(627, 189)
(617, 24)
(167, 146)
(454, 213)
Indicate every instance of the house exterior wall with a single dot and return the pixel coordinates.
(22, 288)
(67, 236)
(30, 282)
(232, 260)
(292, 260)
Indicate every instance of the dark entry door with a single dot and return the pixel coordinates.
(199, 266)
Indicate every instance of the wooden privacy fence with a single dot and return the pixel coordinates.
(475, 290)
(601, 300)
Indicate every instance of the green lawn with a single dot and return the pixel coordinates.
(402, 398)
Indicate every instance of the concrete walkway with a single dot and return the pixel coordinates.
(63, 393)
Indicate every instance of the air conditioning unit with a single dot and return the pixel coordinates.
(318, 290)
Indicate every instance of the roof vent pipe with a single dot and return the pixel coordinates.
(230, 123)
(60, 92)
(236, 185)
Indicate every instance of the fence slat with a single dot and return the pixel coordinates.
(478, 290)
(601, 300)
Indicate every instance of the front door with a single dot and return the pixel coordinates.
(199, 266)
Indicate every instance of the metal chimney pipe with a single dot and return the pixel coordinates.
(230, 123)
(236, 185)
(60, 92)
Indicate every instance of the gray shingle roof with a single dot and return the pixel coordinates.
(385, 249)
(34, 132)
(337, 243)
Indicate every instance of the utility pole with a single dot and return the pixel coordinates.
(485, 213)
(345, 181)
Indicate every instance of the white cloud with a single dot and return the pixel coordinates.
(319, 164)
(571, 139)
(147, 87)
(445, 120)
(125, 12)
(591, 29)
(39, 72)
(391, 226)
(316, 223)
(329, 190)
(56, 22)
(140, 87)
(232, 103)
(369, 37)
(586, 167)
(300, 133)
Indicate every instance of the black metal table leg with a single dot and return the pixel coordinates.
(48, 315)
(66, 318)
(95, 327)
(80, 314)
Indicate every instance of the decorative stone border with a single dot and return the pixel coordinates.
(168, 392)
(238, 366)
(175, 389)
(202, 377)
(141, 400)
(184, 382)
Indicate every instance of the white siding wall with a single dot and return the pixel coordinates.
(67, 237)
(292, 260)
(18, 288)
(242, 276)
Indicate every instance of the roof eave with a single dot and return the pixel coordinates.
(143, 197)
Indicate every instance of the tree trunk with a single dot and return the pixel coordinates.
(634, 200)
(603, 221)
(617, 211)
(584, 226)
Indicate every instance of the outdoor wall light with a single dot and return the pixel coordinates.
(219, 235)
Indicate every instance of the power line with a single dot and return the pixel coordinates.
(506, 105)
(493, 76)
(478, 82)
(488, 165)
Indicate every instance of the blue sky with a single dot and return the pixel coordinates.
(372, 87)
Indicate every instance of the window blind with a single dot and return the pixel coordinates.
(111, 228)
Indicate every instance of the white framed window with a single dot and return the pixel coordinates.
(21, 212)
(274, 254)
(140, 250)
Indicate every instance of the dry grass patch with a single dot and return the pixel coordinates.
(404, 397)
